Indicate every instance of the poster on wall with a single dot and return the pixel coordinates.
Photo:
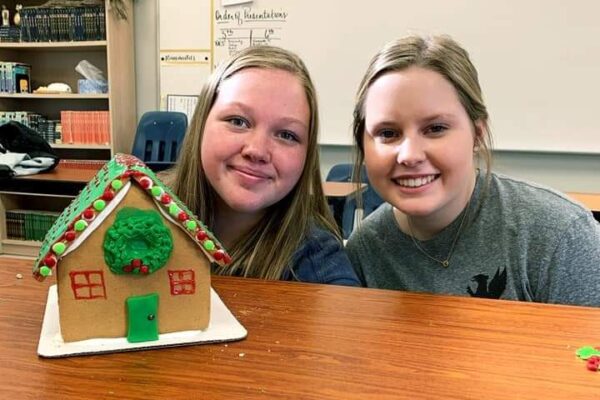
(182, 103)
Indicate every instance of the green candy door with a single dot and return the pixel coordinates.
(142, 318)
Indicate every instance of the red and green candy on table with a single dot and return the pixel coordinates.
(591, 355)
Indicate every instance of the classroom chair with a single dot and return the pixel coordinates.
(158, 138)
(351, 213)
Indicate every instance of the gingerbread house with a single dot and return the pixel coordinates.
(130, 259)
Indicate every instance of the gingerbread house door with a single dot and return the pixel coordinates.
(142, 321)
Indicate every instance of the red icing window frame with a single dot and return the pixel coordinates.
(88, 285)
(182, 281)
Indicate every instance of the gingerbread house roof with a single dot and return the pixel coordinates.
(100, 197)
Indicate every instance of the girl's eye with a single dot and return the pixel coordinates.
(436, 129)
(289, 136)
(238, 122)
(386, 135)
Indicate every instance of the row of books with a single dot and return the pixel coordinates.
(46, 128)
(63, 24)
(85, 127)
(74, 127)
(94, 165)
(26, 118)
(15, 77)
(29, 225)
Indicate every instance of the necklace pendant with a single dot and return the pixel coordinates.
(445, 263)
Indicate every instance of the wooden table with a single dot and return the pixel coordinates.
(590, 200)
(314, 342)
(341, 189)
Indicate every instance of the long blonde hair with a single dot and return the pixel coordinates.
(266, 251)
(437, 53)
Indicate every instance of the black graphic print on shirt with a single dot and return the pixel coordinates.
(493, 290)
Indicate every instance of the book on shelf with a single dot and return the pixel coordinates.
(10, 34)
(15, 77)
(63, 24)
(85, 127)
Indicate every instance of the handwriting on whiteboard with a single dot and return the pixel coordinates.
(237, 28)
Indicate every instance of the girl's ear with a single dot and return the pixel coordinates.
(480, 131)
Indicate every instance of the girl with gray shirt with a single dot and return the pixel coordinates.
(421, 129)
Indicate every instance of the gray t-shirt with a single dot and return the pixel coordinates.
(521, 241)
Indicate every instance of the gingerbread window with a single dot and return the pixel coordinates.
(182, 282)
(88, 285)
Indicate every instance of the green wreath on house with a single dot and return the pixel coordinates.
(138, 242)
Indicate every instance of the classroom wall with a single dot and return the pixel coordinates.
(146, 55)
(563, 171)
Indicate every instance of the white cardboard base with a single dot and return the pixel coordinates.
(223, 327)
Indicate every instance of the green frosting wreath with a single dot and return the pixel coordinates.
(137, 235)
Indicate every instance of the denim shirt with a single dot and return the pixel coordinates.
(321, 258)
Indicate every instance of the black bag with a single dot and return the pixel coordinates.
(18, 138)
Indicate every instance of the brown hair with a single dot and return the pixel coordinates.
(267, 250)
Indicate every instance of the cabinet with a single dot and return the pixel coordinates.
(55, 62)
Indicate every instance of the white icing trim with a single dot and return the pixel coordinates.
(100, 217)
(146, 177)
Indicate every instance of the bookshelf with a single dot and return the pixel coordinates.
(55, 62)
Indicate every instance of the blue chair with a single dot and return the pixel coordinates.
(158, 138)
(345, 210)
(340, 173)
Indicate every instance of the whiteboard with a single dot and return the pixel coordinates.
(538, 60)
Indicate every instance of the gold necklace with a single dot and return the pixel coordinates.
(446, 262)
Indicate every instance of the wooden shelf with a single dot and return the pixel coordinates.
(80, 146)
(62, 46)
(61, 96)
(43, 195)
(27, 248)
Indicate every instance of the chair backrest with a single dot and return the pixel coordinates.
(352, 214)
(159, 136)
(340, 173)
(370, 199)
